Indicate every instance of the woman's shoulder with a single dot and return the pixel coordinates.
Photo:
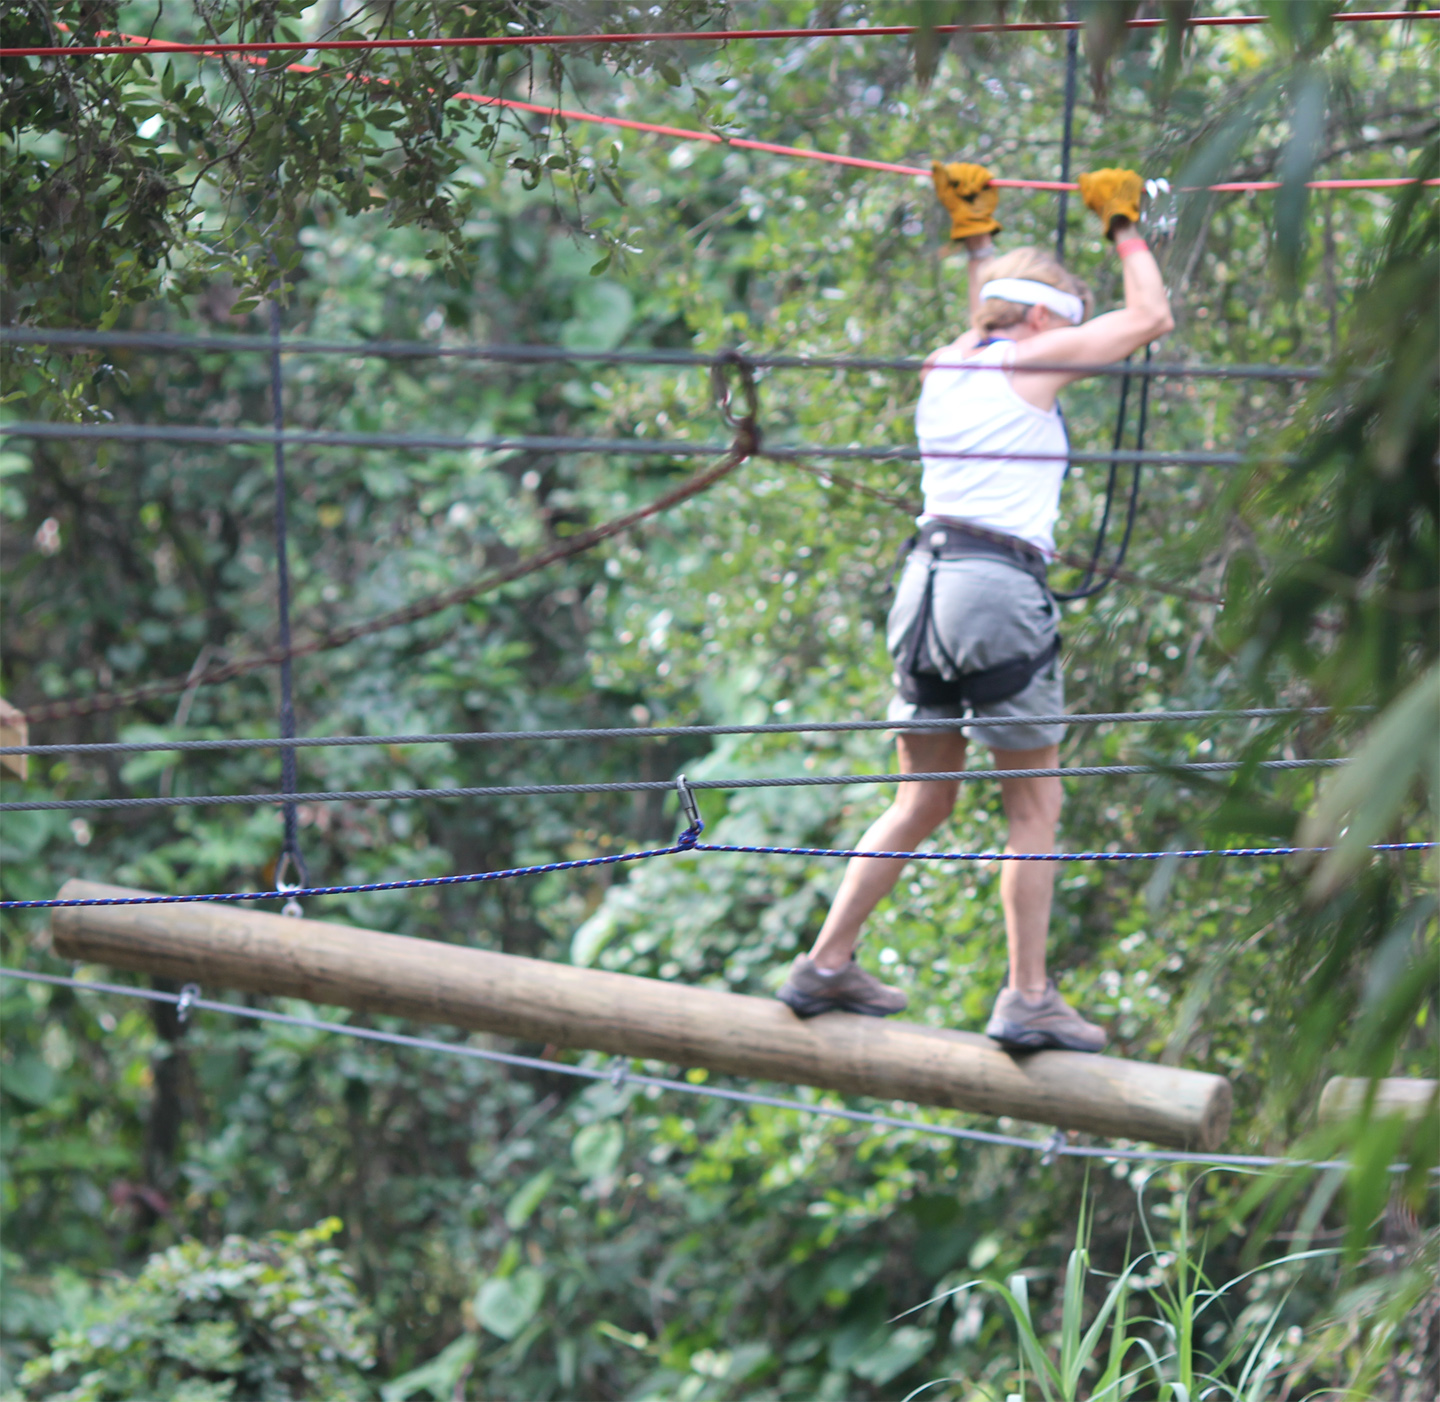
(968, 349)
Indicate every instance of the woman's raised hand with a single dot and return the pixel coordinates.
(965, 190)
(1114, 195)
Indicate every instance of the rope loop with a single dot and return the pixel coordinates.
(748, 436)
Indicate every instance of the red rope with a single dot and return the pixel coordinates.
(136, 41)
(682, 36)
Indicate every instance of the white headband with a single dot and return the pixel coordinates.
(1022, 289)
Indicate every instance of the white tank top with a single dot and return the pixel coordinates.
(976, 411)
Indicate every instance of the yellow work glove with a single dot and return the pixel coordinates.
(965, 190)
(1112, 194)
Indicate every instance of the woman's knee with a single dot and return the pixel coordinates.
(929, 803)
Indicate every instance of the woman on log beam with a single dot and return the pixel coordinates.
(973, 630)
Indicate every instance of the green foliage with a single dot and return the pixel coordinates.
(517, 1236)
(274, 1319)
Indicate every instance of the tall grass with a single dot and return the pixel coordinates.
(1155, 1350)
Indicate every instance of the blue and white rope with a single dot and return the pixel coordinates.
(689, 841)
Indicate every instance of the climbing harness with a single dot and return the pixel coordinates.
(927, 675)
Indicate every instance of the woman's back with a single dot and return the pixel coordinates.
(965, 410)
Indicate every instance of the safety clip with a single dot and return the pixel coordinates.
(1159, 219)
(292, 907)
(1053, 1145)
(185, 1002)
(695, 824)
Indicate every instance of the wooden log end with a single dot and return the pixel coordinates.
(1345, 1097)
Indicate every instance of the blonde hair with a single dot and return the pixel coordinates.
(1038, 266)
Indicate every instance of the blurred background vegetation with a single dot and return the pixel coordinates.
(169, 1190)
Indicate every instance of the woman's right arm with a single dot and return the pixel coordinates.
(1115, 196)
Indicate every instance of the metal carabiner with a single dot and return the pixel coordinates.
(695, 824)
(185, 1002)
(292, 907)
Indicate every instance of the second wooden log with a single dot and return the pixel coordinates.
(220, 946)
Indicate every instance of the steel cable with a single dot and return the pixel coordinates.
(528, 355)
(543, 443)
(512, 41)
(785, 781)
(667, 732)
(622, 1075)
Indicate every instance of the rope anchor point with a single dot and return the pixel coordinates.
(695, 824)
(186, 1002)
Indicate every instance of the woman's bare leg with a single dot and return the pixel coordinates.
(1027, 888)
(917, 811)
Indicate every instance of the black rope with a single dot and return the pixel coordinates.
(667, 732)
(290, 851)
(1072, 58)
(530, 355)
(1089, 586)
(786, 781)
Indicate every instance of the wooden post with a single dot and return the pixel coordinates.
(14, 730)
(222, 946)
(1344, 1096)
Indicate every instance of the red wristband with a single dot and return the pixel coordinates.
(1125, 247)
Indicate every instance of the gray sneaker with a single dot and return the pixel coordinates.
(852, 990)
(1025, 1025)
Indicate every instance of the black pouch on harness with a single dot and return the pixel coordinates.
(923, 683)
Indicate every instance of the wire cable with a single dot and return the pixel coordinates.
(512, 41)
(290, 854)
(558, 444)
(747, 441)
(139, 42)
(622, 1075)
(1062, 205)
(779, 781)
(668, 732)
(538, 354)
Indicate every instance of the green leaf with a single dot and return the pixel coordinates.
(1361, 803)
(521, 1207)
(29, 1079)
(596, 1149)
(439, 1377)
(900, 1350)
(506, 1306)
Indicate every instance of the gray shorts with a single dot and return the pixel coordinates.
(982, 612)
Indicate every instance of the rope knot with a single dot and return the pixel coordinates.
(748, 435)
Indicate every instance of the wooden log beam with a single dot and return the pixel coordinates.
(222, 946)
(1344, 1097)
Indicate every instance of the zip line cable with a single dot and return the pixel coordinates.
(189, 998)
(538, 354)
(778, 781)
(668, 732)
(139, 44)
(670, 37)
